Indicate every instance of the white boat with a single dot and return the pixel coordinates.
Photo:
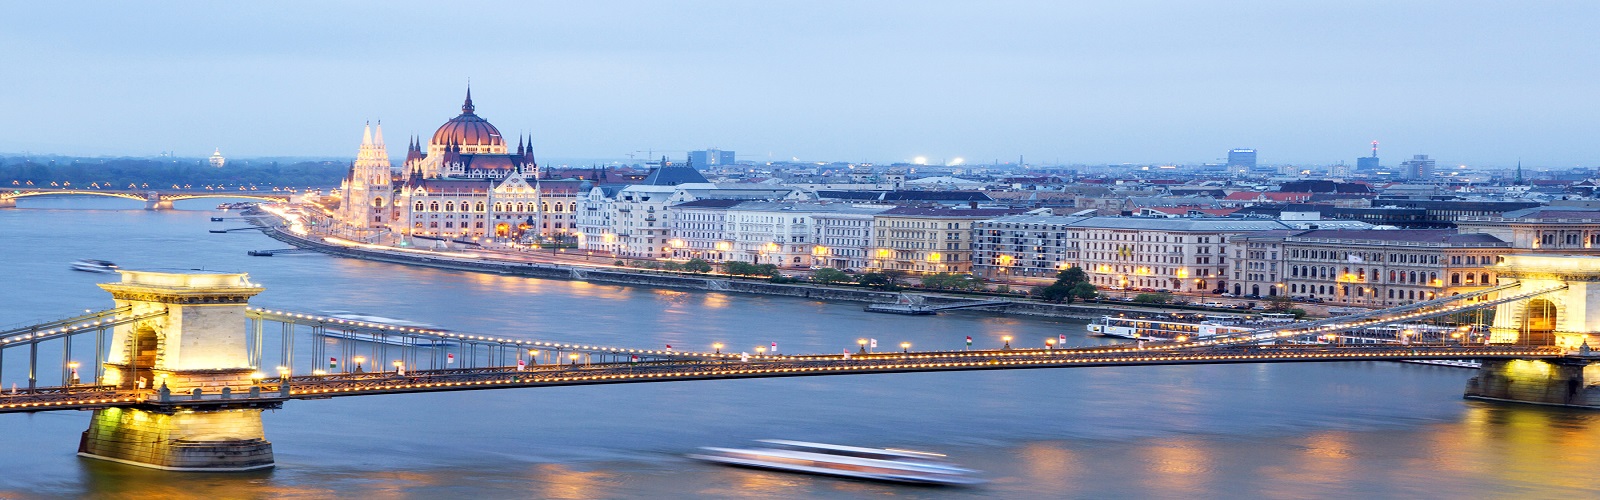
(94, 266)
(899, 466)
(1151, 329)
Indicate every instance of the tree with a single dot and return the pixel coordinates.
(1083, 290)
(879, 281)
(829, 275)
(1072, 276)
(697, 266)
(1279, 303)
(1055, 292)
(1153, 298)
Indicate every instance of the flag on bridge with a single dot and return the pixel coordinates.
(669, 347)
(969, 341)
(774, 347)
(1062, 339)
(450, 359)
(874, 344)
(333, 363)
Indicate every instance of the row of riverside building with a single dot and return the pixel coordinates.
(466, 184)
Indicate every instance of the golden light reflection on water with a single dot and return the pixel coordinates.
(560, 481)
(1175, 466)
(1050, 466)
(716, 300)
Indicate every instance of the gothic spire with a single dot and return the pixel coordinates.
(366, 135)
(377, 136)
(466, 107)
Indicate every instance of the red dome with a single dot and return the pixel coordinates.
(468, 129)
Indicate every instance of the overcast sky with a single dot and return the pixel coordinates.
(1077, 82)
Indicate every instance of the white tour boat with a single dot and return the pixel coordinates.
(94, 266)
(899, 466)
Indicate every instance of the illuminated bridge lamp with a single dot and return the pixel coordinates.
(863, 344)
(359, 360)
(73, 380)
(718, 347)
(761, 350)
(905, 347)
(574, 358)
(1007, 338)
(1049, 343)
(283, 372)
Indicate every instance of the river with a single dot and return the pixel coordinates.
(1369, 429)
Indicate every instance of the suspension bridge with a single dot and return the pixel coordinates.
(183, 365)
(153, 199)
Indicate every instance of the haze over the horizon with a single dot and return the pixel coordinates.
(1139, 81)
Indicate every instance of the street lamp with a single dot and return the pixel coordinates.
(717, 346)
(574, 358)
(761, 350)
(73, 380)
(1050, 343)
(283, 373)
(359, 360)
(905, 347)
(399, 367)
(1007, 338)
(533, 356)
(863, 344)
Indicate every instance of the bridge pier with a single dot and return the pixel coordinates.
(157, 204)
(201, 441)
(8, 203)
(197, 347)
(1567, 382)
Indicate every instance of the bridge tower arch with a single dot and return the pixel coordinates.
(1561, 317)
(198, 346)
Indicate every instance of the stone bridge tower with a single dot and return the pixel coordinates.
(1560, 318)
(197, 349)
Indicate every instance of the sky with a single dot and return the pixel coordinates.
(1481, 83)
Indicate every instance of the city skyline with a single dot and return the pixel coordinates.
(1144, 83)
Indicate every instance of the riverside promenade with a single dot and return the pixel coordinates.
(513, 264)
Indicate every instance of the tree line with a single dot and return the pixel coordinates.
(163, 173)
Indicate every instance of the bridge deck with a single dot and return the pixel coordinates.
(375, 383)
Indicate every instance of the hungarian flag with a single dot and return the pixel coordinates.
(774, 347)
(669, 347)
(1062, 339)
(635, 359)
(873, 344)
(969, 341)
(449, 359)
(333, 363)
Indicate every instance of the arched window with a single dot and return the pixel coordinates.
(449, 206)
(1433, 277)
(572, 207)
(433, 207)
(1485, 279)
(377, 202)
(498, 207)
(419, 207)
(480, 206)
(1455, 278)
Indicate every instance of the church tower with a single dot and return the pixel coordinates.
(369, 185)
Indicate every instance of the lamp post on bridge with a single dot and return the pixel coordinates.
(73, 380)
(863, 344)
(359, 360)
(1007, 338)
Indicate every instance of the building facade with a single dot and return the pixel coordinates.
(1368, 268)
(926, 240)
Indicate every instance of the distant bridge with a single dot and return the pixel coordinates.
(153, 199)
